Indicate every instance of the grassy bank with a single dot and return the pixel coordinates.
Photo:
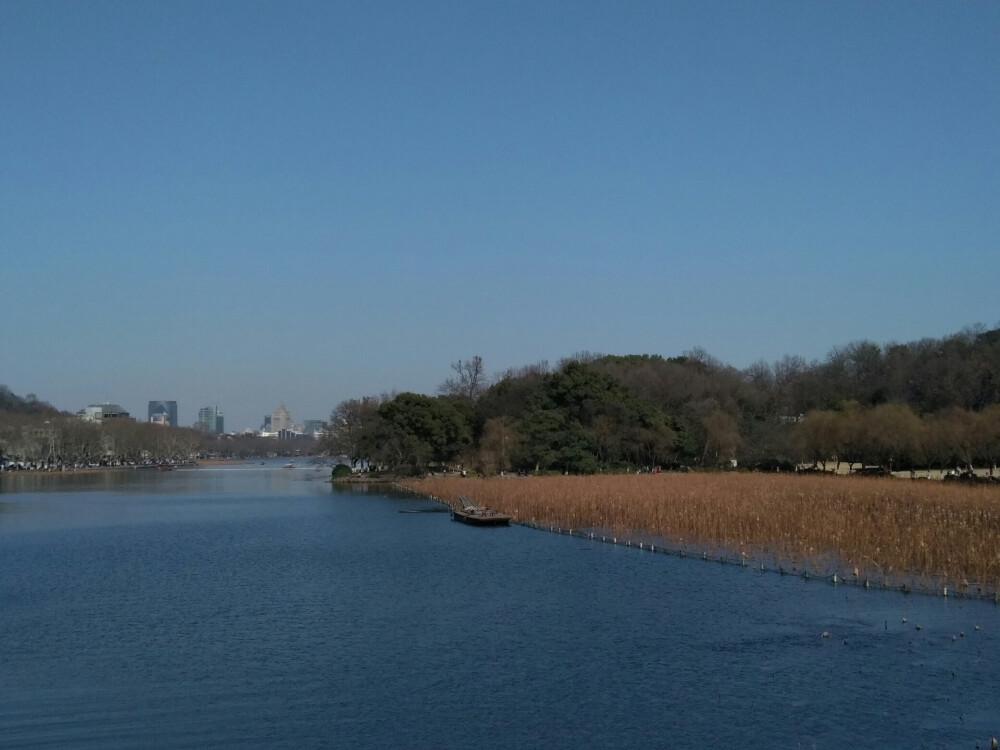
(921, 533)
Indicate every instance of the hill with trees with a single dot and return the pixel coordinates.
(928, 403)
(11, 403)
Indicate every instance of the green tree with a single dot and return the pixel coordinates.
(542, 431)
(425, 429)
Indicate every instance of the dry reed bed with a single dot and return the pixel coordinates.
(924, 533)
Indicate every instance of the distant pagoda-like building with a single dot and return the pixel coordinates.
(281, 419)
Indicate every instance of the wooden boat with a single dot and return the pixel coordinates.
(476, 515)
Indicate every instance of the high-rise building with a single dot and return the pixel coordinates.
(160, 409)
(210, 420)
(281, 419)
(313, 426)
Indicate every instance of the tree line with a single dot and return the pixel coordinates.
(928, 403)
(34, 434)
(52, 439)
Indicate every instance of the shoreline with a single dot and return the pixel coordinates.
(940, 538)
(72, 470)
(361, 479)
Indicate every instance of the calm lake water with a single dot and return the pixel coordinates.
(259, 607)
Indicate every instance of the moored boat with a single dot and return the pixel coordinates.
(476, 515)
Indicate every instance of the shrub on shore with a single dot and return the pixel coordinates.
(341, 471)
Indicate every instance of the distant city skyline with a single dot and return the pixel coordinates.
(280, 416)
(254, 203)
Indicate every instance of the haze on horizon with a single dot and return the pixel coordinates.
(251, 203)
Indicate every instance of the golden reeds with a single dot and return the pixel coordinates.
(923, 533)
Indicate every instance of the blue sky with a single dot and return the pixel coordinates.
(247, 203)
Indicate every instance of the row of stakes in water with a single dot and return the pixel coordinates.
(742, 562)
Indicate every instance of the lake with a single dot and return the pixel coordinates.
(254, 606)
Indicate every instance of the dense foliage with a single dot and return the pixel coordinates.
(11, 403)
(930, 403)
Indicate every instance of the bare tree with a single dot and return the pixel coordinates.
(820, 436)
(583, 357)
(351, 425)
(722, 435)
(986, 433)
(895, 435)
(710, 363)
(499, 441)
(470, 379)
(787, 369)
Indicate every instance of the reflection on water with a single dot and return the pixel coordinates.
(380, 489)
(262, 607)
(71, 481)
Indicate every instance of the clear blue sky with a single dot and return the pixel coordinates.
(247, 203)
